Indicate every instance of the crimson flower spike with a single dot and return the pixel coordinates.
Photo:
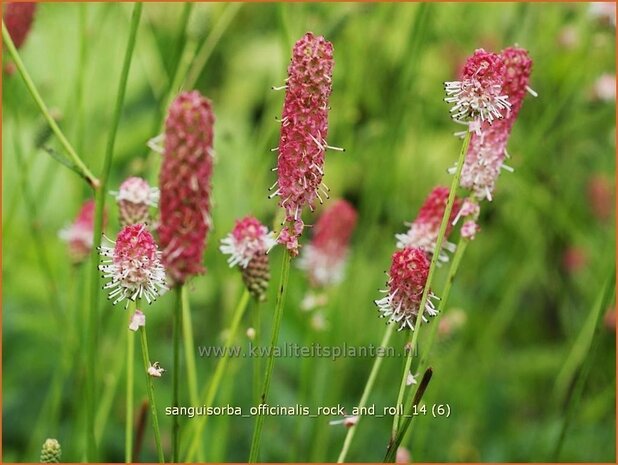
(325, 257)
(304, 128)
(185, 183)
(18, 19)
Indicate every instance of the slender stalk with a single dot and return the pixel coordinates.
(151, 396)
(281, 292)
(375, 369)
(210, 392)
(434, 260)
(128, 432)
(176, 370)
(77, 161)
(257, 378)
(93, 321)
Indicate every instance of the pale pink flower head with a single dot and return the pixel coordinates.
(604, 88)
(403, 455)
(155, 370)
(138, 320)
(304, 128)
(325, 257)
(133, 265)
(478, 97)
(487, 149)
(185, 183)
(18, 19)
(79, 235)
(469, 229)
(134, 198)
(248, 239)
(247, 246)
(406, 281)
(423, 232)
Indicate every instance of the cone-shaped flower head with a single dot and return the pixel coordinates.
(134, 198)
(406, 282)
(185, 185)
(79, 235)
(247, 246)
(18, 19)
(51, 451)
(133, 266)
(487, 149)
(304, 128)
(325, 257)
(478, 96)
(423, 232)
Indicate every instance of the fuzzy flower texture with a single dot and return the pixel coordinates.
(185, 182)
(406, 281)
(423, 232)
(133, 266)
(487, 149)
(325, 257)
(134, 198)
(304, 128)
(247, 246)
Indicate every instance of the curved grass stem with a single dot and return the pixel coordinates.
(434, 261)
(75, 159)
(210, 393)
(280, 303)
(375, 369)
(128, 433)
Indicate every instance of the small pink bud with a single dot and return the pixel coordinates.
(184, 181)
(304, 129)
(134, 198)
(469, 229)
(138, 319)
(406, 282)
(325, 257)
(79, 235)
(600, 192)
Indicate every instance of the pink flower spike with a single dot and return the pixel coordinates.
(423, 232)
(134, 198)
(18, 19)
(133, 266)
(248, 239)
(138, 319)
(479, 95)
(325, 257)
(185, 185)
(304, 128)
(79, 235)
(406, 282)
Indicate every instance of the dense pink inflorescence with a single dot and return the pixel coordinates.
(304, 128)
(248, 239)
(133, 266)
(406, 282)
(79, 235)
(423, 232)
(325, 257)
(487, 149)
(184, 181)
(478, 97)
(18, 19)
(135, 197)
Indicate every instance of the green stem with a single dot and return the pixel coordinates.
(128, 432)
(434, 260)
(93, 320)
(77, 161)
(151, 396)
(375, 369)
(280, 303)
(257, 378)
(176, 371)
(211, 391)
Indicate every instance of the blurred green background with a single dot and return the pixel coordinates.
(526, 286)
